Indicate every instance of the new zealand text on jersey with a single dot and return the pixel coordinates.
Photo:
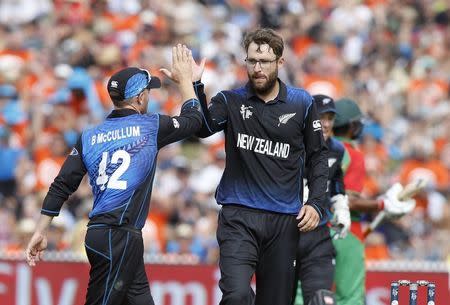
(116, 134)
(263, 146)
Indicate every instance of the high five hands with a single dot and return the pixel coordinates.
(184, 65)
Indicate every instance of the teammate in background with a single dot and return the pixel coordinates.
(350, 286)
(315, 257)
(271, 132)
(120, 157)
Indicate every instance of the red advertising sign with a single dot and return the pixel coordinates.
(57, 283)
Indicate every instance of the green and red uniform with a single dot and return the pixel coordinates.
(350, 266)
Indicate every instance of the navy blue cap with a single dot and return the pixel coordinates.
(324, 103)
(129, 82)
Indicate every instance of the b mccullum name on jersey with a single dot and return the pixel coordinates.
(116, 134)
(263, 146)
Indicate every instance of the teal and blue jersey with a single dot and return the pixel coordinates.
(119, 155)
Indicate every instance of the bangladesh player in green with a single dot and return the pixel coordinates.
(350, 286)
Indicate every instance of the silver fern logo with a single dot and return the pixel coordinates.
(285, 117)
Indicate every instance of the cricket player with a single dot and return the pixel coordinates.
(119, 156)
(350, 286)
(316, 254)
(272, 131)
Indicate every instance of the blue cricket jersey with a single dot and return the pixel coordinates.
(119, 156)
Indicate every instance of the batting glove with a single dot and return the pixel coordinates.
(393, 206)
(341, 215)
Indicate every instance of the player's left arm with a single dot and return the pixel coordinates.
(341, 220)
(337, 180)
(173, 129)
(316, 162)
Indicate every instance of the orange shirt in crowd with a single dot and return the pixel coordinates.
(47, 167)
(440, 143)
(371, 186)
(377, 252)
(123, 22)
(100, 87)
(375, 3)
(22, 55)
(136, 50)
(433, 171)
(160, 221)
(74, 12)
(428, 91)
(324, 4)
(301, 44)
(375, 158)
(315, 84)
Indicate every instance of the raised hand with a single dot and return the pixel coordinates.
(181, 69)
(197, 70)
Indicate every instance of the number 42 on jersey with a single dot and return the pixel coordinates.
(113, 181)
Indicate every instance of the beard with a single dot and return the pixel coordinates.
(266, 87)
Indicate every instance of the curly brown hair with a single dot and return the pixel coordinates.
(265, 36)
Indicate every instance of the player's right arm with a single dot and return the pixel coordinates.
(65, 183)
(353, 178)
(387, 202)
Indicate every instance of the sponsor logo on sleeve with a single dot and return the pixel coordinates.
(74, 152)
(316, 125)
(176, 124)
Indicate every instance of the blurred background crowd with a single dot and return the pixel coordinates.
(392, 57)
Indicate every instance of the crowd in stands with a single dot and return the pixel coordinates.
(392, 57)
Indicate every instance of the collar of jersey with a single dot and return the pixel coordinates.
(282, 94)
(118, 113)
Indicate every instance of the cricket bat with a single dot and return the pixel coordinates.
(408, 191)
